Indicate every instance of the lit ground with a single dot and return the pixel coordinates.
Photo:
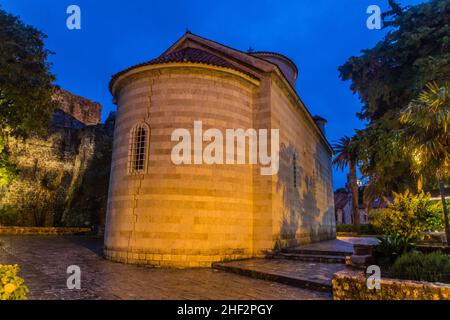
(44, 260)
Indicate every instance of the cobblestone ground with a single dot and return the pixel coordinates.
(342, 244)
(44, 260)
(311, 271)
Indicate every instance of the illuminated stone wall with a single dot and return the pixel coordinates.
(194, 215)
(352, 285)
(302, 205)
(63, 173)
(189, 215)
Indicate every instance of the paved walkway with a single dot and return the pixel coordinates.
(341, 244)
(44, 260)
(302, 274)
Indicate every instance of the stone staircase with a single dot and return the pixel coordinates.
(302, 274)
(310, 255)
(309, 266)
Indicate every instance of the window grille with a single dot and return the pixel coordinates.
(137, 160)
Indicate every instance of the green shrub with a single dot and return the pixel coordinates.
(367, 229)
(344, 228)
(407, 216)
(432, 267)
(11, 285)
(9, 216)
(8, 170)
(436, 216)
(390, 247)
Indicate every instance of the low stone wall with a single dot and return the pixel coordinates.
(354, 234)
(351, 285)
(43, 231)
(429, 249)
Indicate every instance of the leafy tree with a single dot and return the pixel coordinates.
(383, 163)
(415, 51)
(25, 85)
(427, 137)
(8, 170)
(347, 156)
(407, 216)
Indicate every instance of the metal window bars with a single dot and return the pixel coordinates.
(137, 159)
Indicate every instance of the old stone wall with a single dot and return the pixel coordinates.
(302, 205)
(351, 285)
(43, 231)
(82, 109)
(63, 175)
(51, 188)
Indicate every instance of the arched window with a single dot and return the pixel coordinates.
(137, 155)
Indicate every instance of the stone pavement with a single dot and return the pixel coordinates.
(341, 244)
(44, 260)
(311, 275)
(310, 266)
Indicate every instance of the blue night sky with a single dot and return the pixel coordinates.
(318, 35)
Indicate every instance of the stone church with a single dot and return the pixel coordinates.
(192, 215)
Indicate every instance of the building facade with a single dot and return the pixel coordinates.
(343, 207)
(190, 215)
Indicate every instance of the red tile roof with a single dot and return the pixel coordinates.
(191, 55)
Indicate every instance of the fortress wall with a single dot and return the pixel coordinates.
(185, 215)
(82, 109)
(303, 210)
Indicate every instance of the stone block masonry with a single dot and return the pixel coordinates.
(194, 214)
(43, 231)
(82, 109)
(351, 285)
(63, 172)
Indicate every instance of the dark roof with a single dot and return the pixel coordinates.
(341, 197)
(191, 55)
(319, 118)
(377, 203)
(262, 53)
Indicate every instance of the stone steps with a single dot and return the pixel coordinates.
(269, 276)
(308, 257)
(296, 273)
(315, 252)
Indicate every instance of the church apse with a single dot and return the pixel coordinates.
(191, 215)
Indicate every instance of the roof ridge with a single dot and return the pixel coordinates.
(279, 55)
(187, 54)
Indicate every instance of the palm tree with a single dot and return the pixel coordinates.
(346, 156)
(427, 137)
